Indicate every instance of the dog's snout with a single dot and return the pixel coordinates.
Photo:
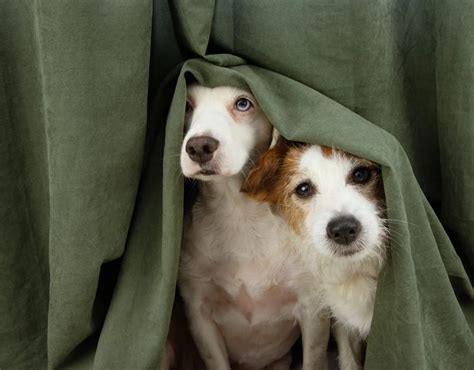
(343, 229)
(201, 148)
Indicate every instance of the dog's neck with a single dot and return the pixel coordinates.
(223, 191)
(338, 271)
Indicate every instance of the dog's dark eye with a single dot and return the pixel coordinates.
(189, 107)
(304, 190)
(243, 105)
(361, 175)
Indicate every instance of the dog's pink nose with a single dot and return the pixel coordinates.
(201, 148)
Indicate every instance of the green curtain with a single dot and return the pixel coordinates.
(91, 108)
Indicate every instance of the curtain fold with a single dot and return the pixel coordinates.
(406, 66)
(424, 300)
(91, 199)
(74, 94)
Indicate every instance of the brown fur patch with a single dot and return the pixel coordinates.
(373, 189)
(285, 205)
(273, 179)
(261, 181)
(327, 151)
(269, 181)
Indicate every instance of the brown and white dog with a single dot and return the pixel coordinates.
(335, 203)
(247, 292)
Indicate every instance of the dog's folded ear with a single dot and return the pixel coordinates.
(261, 180)
(275, 136)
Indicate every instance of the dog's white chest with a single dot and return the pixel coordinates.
(253, 294)
(247, 261)
(255, 307)
(246, 276)
(352, 302)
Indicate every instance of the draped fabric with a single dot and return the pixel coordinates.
(92, 97)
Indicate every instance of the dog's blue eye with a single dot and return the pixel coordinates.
(243, 105)
(361, 175)
(305, 189)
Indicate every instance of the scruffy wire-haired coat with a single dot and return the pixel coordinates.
(334, 202)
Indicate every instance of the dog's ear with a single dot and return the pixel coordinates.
(275, 136)
(261, 181)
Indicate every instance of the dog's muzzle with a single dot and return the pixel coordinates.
(201, 149)
(344, 229)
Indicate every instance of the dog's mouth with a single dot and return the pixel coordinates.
(206, 172)
(347, 250)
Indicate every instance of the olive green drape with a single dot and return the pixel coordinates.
(91, 199)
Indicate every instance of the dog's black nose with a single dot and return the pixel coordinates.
(343, 229)
(201, 148)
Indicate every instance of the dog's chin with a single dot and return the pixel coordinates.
(347, 251)
(329, 249)
(199, 172)
(209, 173)
(206, 175)
(353, 252)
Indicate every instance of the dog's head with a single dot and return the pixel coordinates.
(225, 130)
(333, 199)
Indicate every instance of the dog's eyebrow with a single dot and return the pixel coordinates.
(365, 162)
(361, 161)
(248, 96)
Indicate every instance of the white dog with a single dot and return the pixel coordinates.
(247, 293)
(335, 203)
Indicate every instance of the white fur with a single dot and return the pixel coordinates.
(346, 273)
(214, 115)
(234, 246)
(336, 197)
(349, 281)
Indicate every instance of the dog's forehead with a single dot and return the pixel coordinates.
(214, 96)
(324, 165)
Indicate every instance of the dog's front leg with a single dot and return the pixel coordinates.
(208, 339)
(315, 329)
(349, 347)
